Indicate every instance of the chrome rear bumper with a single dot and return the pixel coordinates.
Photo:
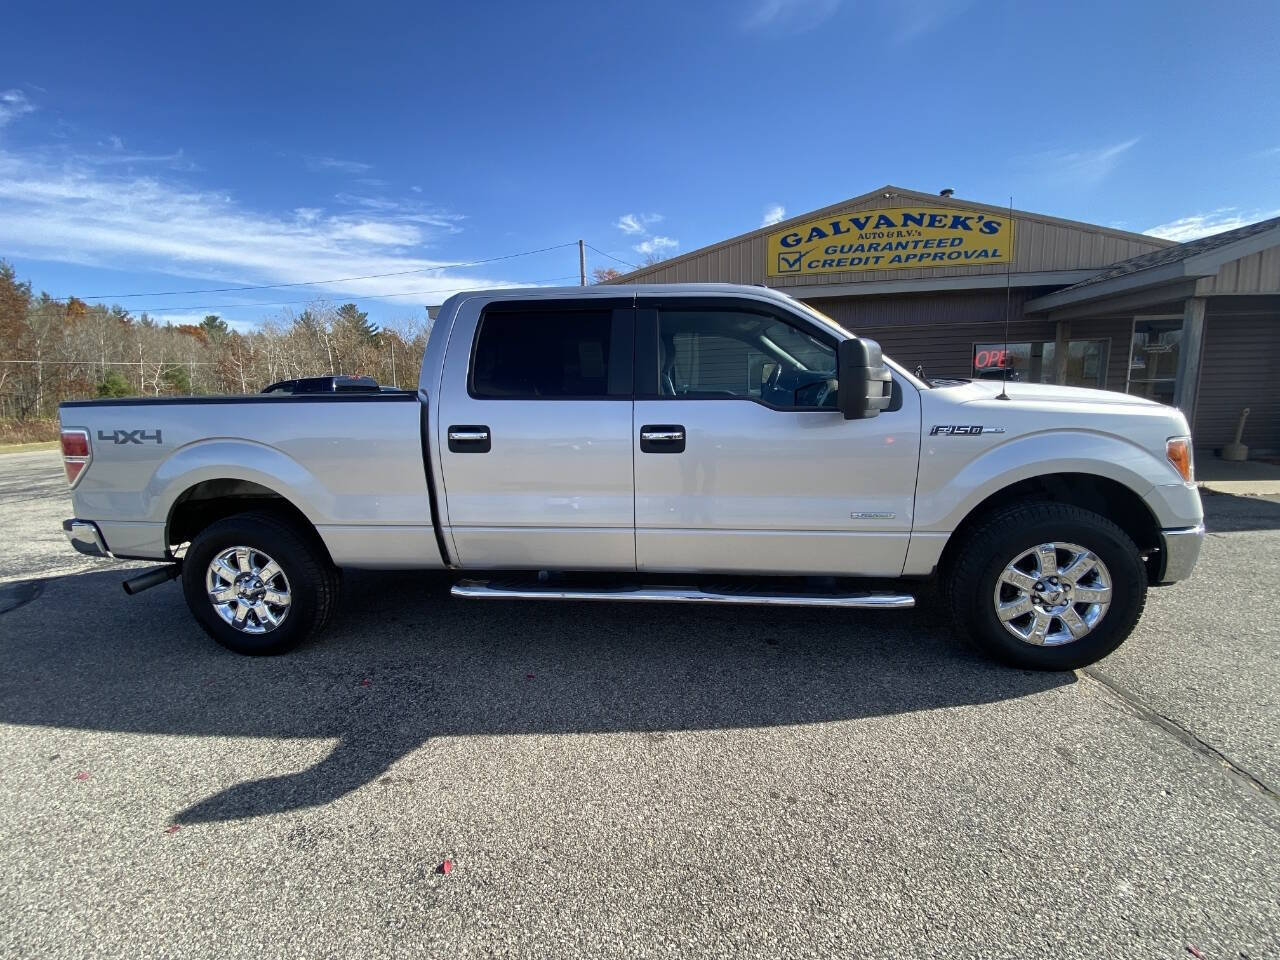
(85, 537)
(1180, 550)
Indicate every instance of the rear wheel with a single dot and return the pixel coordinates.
(258, 585)
(1047, 586)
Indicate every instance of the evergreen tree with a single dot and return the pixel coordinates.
(114, 385)
(215, 328)
(354, 322)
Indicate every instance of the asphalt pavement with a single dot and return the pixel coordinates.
(627, 781)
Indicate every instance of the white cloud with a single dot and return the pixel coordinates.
(773, 213)
(1206, 224)
(637, 224)
(65, 210)
(794, 15)
(14, 104)
(320, 164)
(117, 156)
(1084, 168)
(657, 245)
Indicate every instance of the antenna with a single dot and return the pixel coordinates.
(1008, 296)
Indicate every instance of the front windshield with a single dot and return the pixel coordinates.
(917, 381)
(808, 352)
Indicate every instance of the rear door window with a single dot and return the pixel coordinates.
(552, 352)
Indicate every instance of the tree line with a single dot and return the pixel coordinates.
(53, 350)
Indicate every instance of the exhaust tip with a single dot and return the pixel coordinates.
(152, 578)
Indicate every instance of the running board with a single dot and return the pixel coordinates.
(488, 590)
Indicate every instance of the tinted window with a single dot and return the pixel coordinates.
(554, 354)
(718, 353)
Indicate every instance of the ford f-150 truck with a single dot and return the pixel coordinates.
(704, 443)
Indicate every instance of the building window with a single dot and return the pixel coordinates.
(1033, 362)
(1153, 359)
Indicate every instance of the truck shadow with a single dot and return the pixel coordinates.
(404, 663)
(1230, 513)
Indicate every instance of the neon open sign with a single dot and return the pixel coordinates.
(986, 359)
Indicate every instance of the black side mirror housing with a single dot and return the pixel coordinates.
(866, 385)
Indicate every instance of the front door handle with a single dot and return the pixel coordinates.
(662, 438)
(469, 438)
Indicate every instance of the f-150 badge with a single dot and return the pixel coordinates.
(962, 430)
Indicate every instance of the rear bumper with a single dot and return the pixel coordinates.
(1180, 549)
(85, 536)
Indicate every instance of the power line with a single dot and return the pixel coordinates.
(634, 266)
(311, 283)
(370, 296)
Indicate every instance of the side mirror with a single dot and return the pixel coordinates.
(866, 386)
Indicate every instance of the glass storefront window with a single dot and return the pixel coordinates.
(1153, 359)
(1033, 362)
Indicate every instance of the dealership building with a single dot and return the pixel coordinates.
(929, 276)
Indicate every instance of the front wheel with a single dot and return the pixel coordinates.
(257, 584)
(1047, 586)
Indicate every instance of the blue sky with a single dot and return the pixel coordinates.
(180, 146)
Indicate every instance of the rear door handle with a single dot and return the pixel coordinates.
(469, 438)
(662, 438)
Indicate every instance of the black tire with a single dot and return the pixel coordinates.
(969, 582)
(312, 579)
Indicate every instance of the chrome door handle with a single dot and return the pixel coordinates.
(662, 438)
(469, 438)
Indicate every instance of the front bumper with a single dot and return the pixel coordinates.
(85, 536)
(1179, 551)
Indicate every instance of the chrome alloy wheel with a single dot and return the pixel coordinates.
(248, 589)
(1052, 594)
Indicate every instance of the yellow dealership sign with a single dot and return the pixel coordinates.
(890, 239)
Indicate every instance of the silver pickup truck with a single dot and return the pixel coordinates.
(685, 443)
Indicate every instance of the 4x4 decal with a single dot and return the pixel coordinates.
(130, 436)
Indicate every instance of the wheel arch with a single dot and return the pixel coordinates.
(207, 501)
(1107, 497)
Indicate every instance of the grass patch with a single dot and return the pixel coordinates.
(28, 431)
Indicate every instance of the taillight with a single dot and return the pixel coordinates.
(76, 453)
(1178, 450)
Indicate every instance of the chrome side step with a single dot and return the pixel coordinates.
(489, 590)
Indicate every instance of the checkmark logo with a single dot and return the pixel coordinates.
(790, 262)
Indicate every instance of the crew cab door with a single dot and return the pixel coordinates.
(743, 462)
(534, 435)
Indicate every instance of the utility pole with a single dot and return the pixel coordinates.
(582, 264)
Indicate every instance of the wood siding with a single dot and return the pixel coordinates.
(1256, 273)
(1240, 367)
(939, 330)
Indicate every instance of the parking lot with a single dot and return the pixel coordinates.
(613, 780)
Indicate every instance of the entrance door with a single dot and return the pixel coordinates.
(743, 464)
(536, 451)
(1153, 358)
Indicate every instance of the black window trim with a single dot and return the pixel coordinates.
(648, 310)
(622, 310)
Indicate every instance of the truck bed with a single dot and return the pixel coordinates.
(353, 465)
